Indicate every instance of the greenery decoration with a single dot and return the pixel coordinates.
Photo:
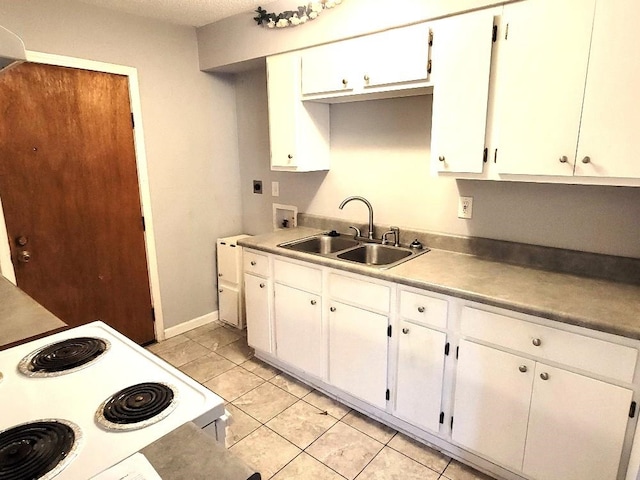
(292, 18)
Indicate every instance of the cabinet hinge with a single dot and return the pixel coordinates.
(506, 31)
(632, 410)
(387, 394)
(429, 66)
(153, 314)
(441, 417)
(457, 352)
(446, 348)
(495, 156)
(494, 36)
(389, 331)
(485, 154)
(144, 225)
(133, 122)
(430, 39)
(451, 423)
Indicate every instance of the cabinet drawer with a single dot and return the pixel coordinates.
(597, 356)
(423, 309)
(256, 263)
(371, 296)
(299, 276)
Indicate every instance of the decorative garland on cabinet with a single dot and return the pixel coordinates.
(292, 18)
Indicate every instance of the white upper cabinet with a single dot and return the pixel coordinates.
(543, 55)
(461, 65)
(298, 132)
(611, 115)
(387, 64)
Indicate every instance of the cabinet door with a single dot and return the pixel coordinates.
(358, 352)
(420, 375)
(576, 427)
(257, 291)
(461, 56)
(610, 118)
(228, 257)
(228, 304)
(330, 68)
(298, 326)
(542, 66)
(491, 408)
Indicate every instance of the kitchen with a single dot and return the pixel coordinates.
(227, 137)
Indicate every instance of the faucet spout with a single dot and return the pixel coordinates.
(366, 202)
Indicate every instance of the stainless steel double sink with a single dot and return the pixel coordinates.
(356, 251)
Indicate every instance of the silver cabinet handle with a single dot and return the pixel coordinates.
(586, 159)
(253, 263)
(345, 81)
(262, 285)
(421, 309)
(220, 291)
(536, 342)
(523, 368)
(544, 376)
(333, 309)
(219, 274)
(405, 330)
(563, 159)
(366, 78)
(441, 158)
(290, 156)
(313, 302)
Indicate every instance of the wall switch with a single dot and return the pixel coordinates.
(465, 207)
(257, 186)
(275, 189)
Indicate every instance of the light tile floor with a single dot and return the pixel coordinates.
(286, 430)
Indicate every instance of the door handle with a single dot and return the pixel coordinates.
(24, 256)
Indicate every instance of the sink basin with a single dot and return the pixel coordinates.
(375, 254)
(322, 244)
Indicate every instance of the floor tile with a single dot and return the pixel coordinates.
(265, 402)
(240, 426)
(419, 452)
(392, 465)
(183, 353)
(216, 338)
(167, 344)
(301, 424)
(345, 450)
(459, 471)
(260, 368)
(329, 405)
(291, 385)
(205, 368)
(266, 451)
(305, 467)
(374, 429)
(234, 383)
(196, 332)
(237, 352)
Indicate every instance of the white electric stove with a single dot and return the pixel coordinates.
(121, 400)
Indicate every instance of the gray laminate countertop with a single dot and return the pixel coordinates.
(21, 317)
(597, 304)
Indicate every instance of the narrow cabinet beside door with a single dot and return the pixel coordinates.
(258, 291)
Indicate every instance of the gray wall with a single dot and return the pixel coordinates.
(190, 134)
(380, 149)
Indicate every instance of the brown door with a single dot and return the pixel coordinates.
(69, 190)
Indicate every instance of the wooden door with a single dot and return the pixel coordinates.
(69, 188)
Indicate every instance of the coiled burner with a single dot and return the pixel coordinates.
(39, 449)
(63, 357)
(137, 406)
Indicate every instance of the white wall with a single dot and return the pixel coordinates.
(380, 149)
(190, 134)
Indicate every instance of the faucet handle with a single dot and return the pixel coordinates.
(358, 233)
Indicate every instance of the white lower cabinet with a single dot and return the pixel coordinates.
(298, 320)
(420, 375)
(543, 421)
(258, 294)
(358, 352)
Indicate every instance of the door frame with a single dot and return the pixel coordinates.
(6, 266)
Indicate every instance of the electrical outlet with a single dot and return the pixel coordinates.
(257, 186)
(275, 189)
(465, 207)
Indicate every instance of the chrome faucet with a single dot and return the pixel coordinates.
(366, 202)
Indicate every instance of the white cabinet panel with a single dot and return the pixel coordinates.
(358, 352)
(298, 326)
(258, 305)
(576, 427)
(423, 309)
(302, 276)
(256, 263)
(420, 375)
(329, 68)
(373, 296)
(492, 395)
(229, 304)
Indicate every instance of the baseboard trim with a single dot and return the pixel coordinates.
(190, 324)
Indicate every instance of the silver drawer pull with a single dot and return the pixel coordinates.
(253, 263)
(536, 342)
(262, 285)
(421, 309)
(313, 302)
(405, 330)
(522, 368)
(333, 309)
(220, 291)
(544, 376)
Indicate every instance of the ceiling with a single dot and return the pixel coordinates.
(183, 12)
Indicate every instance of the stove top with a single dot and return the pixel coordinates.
(118, 396)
